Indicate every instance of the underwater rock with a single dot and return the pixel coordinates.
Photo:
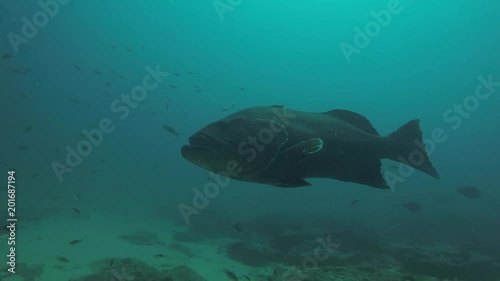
(254, 255)
(289, 243)
(347, 273)
(29, 272)
(132, 269)
(444, 260)
(183, 273)
(315, 274)
(110, 269)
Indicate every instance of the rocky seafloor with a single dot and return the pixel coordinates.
(271, 249)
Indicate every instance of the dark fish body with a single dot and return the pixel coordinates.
(470, 192)
(413, 207)
(281, 147)
(62, 259)
(238, 227)
(77, 241)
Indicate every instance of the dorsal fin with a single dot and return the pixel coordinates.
(354, 119)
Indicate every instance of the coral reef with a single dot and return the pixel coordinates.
(132, 269)
(29, 272)
(253, 254)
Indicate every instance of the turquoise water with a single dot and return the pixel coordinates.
(389, 61)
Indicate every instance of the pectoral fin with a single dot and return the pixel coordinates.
(303, 149)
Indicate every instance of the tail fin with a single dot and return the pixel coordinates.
(407, 147)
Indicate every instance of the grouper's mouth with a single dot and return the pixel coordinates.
(201, 146)
(203, 151)
(203, 140)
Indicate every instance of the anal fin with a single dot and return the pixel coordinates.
(366, 172)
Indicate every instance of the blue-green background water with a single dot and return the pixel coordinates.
(427, 59)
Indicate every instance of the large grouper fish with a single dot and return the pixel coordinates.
(282, 147)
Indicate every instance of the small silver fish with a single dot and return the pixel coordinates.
(171, 130)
